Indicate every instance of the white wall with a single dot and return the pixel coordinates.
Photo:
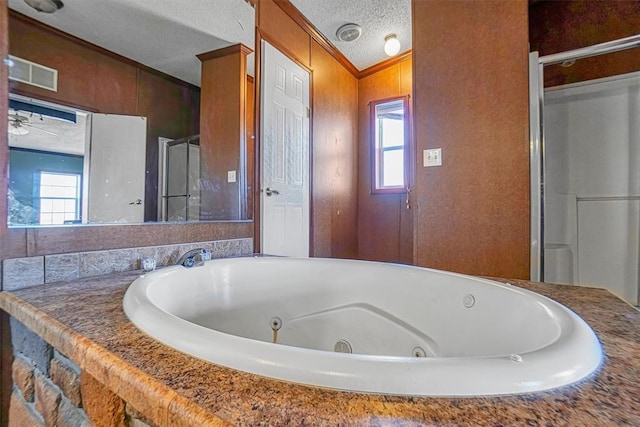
(592, 177)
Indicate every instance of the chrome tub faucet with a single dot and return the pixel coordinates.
(189, 259)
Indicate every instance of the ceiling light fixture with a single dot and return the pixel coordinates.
(46, 6)
(391, 45)
(349, 32)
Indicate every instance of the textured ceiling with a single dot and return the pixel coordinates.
(68, 137)
(378, 18)
(167, 35)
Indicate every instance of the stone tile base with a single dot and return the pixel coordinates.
(18, 273)
(63, 396)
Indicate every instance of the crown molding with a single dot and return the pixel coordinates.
(384, 64)
(293, 12)
(225, 51)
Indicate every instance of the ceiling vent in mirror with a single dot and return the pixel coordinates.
(349, 32)
(33, 74)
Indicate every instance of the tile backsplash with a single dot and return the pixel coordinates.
(23, 272)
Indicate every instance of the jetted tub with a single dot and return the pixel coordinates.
(365, 326)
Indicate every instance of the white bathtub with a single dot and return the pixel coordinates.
(478, 337)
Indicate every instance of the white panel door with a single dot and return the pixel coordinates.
(117, 168)
(285, 155)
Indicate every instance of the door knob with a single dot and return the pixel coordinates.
(136, 202)
(269, 191)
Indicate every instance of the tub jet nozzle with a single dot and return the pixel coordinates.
(276, 324)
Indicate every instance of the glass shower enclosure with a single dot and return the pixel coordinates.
(585, 176)
(179, 179)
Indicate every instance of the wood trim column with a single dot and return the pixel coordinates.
(223, 132)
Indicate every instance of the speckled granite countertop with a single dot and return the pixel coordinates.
(85, 321)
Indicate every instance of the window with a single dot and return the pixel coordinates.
(59, 197)
(389, 122)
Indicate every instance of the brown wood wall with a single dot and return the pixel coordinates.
(333, 134)
(96, 80)
(558, 26)
(251, 146)
(471, 99)
(222, 132)
(6, 355)
(4, 99)
(385, 225)
(335, 157)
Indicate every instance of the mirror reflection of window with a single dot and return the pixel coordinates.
(59, 198)
(390, 151)
(33, 187)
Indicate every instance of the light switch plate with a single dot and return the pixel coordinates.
(432, 157)
(231, 176)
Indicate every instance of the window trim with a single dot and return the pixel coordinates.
(375, 151)
(37, 197)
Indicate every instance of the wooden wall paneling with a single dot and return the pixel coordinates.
(170, 111)
(116, 86)
(283, 32)
(406, 250)
(384, 64)
(13, 244)
(55, 34)
(6, 354)
(4, 96)
(222, 131)
(335, 156)
(76, 64)
(566, 25)
(316, 35)
(250, 144)
(406, 77)
(473, 212)
(385, 226)
(379, 228)
(572, 24)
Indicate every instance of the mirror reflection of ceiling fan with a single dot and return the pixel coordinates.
(19, 125)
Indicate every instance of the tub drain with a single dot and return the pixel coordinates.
(342, 346)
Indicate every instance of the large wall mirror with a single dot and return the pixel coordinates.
(110, 134)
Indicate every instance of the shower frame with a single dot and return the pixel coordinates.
(163, 175)
(537, 140)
